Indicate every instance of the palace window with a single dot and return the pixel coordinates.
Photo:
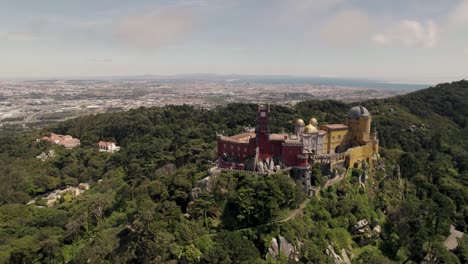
(232, 147)
(339, 137)
(245, 149)
(238, 148)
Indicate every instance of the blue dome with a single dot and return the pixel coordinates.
(358, 111)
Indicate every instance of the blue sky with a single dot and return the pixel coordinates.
(421, 41)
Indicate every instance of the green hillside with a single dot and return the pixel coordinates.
(139, 207)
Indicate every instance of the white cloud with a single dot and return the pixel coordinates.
(314, 5)
(17, 36)
(286, 12)
(409, 33)
(145, 30)
(465, 51)
(459, 15)
(100, 60)
(347, 27)
(152, 29)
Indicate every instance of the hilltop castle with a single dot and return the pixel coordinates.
(349, 144)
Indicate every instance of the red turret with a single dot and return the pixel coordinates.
(263, 132)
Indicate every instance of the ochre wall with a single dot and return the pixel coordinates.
(335, 137)
(364, 128)
(360, 153)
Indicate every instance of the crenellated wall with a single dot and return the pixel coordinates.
(365, 152)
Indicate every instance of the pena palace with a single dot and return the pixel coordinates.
(349, 144)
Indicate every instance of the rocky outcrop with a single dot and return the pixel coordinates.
(280, 246)
(269, 165)
(337, 258)
(330, 251)
(45, 156)
(345, 256)
(260, 167)
(206, 184)
(361, 226)
(214, 170)
(377, 229)
(194, 193)
(203, 185)
(364, 232)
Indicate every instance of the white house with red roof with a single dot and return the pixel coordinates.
(105, 146)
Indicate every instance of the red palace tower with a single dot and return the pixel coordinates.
(260, 150)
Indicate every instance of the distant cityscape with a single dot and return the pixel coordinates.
(35, 103)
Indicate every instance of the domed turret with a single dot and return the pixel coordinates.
(359, 123)
(313, 121)
(310, 129)
(358, 111)
(299, 122)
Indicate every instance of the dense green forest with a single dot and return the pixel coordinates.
(141, 209)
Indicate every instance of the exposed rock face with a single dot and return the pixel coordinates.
(377, 229)
(280, 246)
(451, 242)
(271, 164)
(331, 252)
(194, 193)
(273, 250)
(361, 224)
(214, 170)
(205, 184)
(364, 233)
(285, 247)
(45, 156)
(260, 167)
(337, 258)
(279, 162)
(268, 166)
(345, 256)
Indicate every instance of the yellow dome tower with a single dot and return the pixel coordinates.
(359, 122)
(310, 129)
(313, 121)
(299, 127)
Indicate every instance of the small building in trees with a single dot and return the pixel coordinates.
(110, 147)
(64, 140)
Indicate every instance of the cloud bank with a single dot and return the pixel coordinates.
(409, 33)
(18, 36)
(347, 27)
(459, 15)
(152, 29)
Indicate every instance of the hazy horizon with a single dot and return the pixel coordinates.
(413, 41)
(208, 75)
